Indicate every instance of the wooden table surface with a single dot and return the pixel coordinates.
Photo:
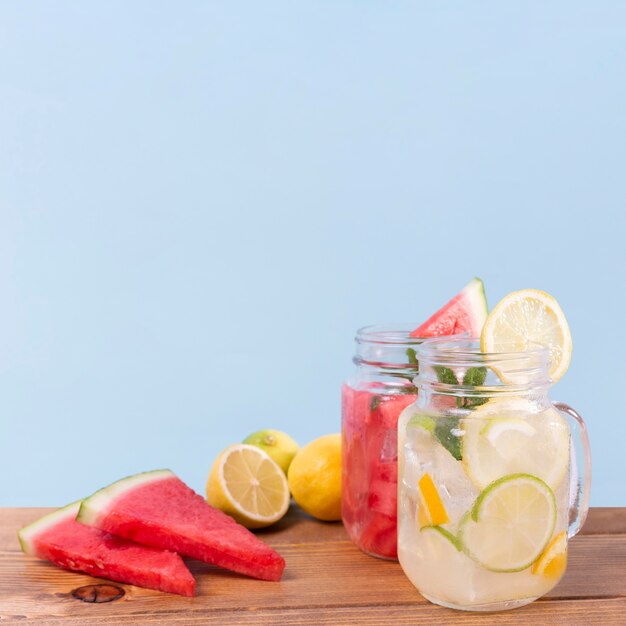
(327, 581)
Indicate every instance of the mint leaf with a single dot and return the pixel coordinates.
(412, 356)
(445, 375)
(375, 403)
(408, 377)
(445, 436)
(475, 376)
(472, 402)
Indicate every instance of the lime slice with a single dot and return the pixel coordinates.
(552, 563)
(509, 436)
(423, 421)
(439, 534)
(248, 485)
(526, 317)
(510, 524)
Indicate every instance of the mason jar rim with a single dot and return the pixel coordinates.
(447, 348)
(387, 334)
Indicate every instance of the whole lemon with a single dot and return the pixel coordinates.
(314, 478)
(280, 446)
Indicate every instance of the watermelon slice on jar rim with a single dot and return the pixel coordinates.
(464, 313)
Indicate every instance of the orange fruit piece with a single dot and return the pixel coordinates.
(553, 561)
(431, 510)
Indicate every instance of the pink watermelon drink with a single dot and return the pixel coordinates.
(58, 538)
(157, 509)
(371, 405)
(369, 464)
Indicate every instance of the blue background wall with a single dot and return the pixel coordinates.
(200, 204)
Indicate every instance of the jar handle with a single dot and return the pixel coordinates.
(580, 481)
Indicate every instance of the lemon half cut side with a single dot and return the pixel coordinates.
(248, 485)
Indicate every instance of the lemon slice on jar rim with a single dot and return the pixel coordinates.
(527, 317)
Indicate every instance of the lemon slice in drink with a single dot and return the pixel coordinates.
(510, 524)
(248, 485)
(528, 317)
(508, 436)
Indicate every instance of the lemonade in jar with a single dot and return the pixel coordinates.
(493, 477)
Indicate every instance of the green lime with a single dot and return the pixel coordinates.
(278, 445)
(423, 421)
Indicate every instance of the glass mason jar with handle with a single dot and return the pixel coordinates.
(372, 401)
(493, 478)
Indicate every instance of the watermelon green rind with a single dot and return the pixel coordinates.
(26, 534)
(477, 300)
(92, 507)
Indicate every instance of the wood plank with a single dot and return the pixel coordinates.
(318, 575)
(605, 521)
(327, 578)
(565, 613)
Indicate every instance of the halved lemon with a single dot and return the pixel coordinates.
(553, 561)
(511, 435)
(431, 510)
(528, 317)
(248, 485)
(510, 524)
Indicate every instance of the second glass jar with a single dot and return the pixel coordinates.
(372, 401)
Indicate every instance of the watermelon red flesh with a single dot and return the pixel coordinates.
(379, 536)
(465, 313)
(388, 409)
(370, 475)
(158, 509)
(58, 538)
(383, 498)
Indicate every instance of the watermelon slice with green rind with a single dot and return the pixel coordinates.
(58, 538)
(465, 313)
(157, 509)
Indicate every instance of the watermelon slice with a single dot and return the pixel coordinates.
(465, 313)
(157, 509)
(58, 538)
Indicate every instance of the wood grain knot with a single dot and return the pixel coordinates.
(98, 593)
